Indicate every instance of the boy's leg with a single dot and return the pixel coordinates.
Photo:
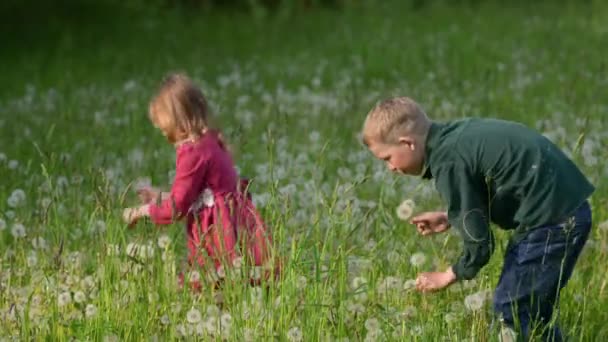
(535, 270)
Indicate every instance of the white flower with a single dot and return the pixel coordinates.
(237, 263)
(146, 252)
(393, 257)
(64, 299)
(221, 272)
(79, 297)
(98, 227)
(164, 241)
(10, 214)
(88, 282)
(164, 320)
(255, 273)
(358, 282)
(226, 320)
(181, 331)
(193, 316)
(211, 325)
(294, 334)
(194, 276)
(418, 259)
(111, 338)
(2, 224)
(405, 209)
(474, 302)
(62, 181)
(32, 259)
(90, 311)
(450, 317)
(409, 284)
(372, 325)
(409, 312)
(132, 249)
(301, 282)
(248, 335)
(39, 243)
(18, 230)
(389, 283)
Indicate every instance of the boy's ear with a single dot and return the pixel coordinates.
(408, 142)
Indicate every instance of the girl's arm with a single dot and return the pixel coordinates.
(190, 172)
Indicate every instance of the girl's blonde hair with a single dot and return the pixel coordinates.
(180, 109)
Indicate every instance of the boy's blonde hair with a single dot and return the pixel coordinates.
(179, 109)
(394, 118)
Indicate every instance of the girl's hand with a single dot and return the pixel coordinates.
(132, 215)
(148, 194)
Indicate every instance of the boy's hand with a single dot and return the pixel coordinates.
(433, 281)
(431, 222)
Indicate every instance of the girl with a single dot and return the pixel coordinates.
(223, 226)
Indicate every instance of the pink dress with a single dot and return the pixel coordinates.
(222, 222)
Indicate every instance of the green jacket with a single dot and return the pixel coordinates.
(502, 172)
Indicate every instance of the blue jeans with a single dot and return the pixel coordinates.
(534, 272)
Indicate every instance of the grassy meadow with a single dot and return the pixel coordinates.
(290, 92)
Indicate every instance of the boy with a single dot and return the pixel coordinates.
(492, 171)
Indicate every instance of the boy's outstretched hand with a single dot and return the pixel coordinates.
(431, 222)
(433, 281)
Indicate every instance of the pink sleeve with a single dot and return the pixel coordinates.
(190, 171)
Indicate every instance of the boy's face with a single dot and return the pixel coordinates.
(406, 156)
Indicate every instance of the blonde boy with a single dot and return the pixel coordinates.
(492, 171)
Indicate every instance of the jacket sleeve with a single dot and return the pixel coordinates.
(466, 197)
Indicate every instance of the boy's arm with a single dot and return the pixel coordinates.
(466, 196)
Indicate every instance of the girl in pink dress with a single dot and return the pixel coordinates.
(222, 225)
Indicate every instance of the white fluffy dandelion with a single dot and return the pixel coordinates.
(164, 320)
(164, 241)
(16, 199)
(18, 231)
(79, 297)
(193, 316)
(226, 320)
(301, 282)
(418, 259)
(32, 259)
(372, 325)
(294, 334)
(132, 249)
(2, 224)
(64, 299)
(90, 311)
(194, 276)
(405, 209)
(409, 284)
(474, 302)
(39, 243)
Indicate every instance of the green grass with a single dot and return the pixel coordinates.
(291, 93)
